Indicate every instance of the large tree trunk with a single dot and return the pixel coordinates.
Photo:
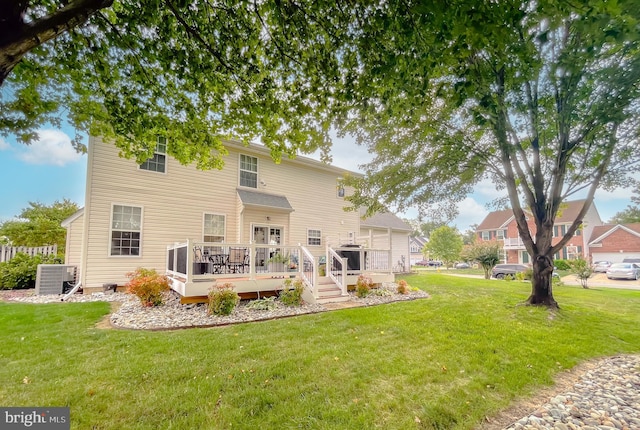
(541, 283)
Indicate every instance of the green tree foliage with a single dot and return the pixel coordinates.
(445, 244)
(542, 97)
(39, 225)
(195, 72)
(485, 253)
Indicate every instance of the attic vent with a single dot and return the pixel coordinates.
(53, 278)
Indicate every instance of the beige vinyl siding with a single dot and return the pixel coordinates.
(173, 205)
(73, 249)
(399, 243)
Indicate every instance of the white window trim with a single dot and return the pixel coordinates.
(483, 233)
(204, 215)
(501, 235)
(166, 159)
(319, 237)
(240, 170)
(111, 230)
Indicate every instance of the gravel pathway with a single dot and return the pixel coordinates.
(607, 397)
(172, 315)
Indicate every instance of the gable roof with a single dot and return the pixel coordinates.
(499, 219)
(77, 214)
(496, 219)
(264, 200)
(600, 232)
(384, 220)
(419, 240)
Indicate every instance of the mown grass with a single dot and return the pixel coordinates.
(440, 363)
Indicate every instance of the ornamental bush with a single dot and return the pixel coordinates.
(148, 285)
(291, 294)
(222, 299)
(363, 286)
(403, 287)
(20, 272)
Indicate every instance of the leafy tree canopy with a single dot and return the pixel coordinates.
(485, 253)
(445, 244)
(542, 97)
(39, 225)
(196, 72)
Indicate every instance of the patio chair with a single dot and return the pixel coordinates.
(238, 260)
(218, 263)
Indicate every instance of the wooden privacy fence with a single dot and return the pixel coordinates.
(8, 252)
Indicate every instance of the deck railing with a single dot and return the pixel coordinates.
(337, 269)
(207, 261)
(309, 271)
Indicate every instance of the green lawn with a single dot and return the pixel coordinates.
(439, 363)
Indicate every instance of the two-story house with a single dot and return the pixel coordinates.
(501, 226)
(203, 226)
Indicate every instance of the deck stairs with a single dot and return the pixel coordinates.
(328, 292)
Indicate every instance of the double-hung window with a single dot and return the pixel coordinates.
(126, 226)
(214, 228)
(248, 171)
(157, 163)
(485, 235)
(314, 237)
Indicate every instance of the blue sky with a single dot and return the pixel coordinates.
(50, 170)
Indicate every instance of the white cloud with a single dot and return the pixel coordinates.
(53, 147)
(4, 145)
(469, 212)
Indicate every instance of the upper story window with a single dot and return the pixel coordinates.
(157, 163)
(485, 235)
(499, 234)
(126, 225)
(214, 228)
(314, 237)
(248, 171)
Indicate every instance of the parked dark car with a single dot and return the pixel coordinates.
(435, 263)
(422, 263)
(500, 271)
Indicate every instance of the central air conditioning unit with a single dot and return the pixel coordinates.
(55, 278)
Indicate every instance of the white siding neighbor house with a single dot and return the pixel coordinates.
(252, 223)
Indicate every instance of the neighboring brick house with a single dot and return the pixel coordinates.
(501, 226)
(614, 243)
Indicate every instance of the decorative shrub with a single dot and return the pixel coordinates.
(527, 275)
(363, 286)
(265, 304)
(20, 272)
(381, 292)
(222, 299)
(148, 285)
(403, 287)
(562, 264)
(291, 294)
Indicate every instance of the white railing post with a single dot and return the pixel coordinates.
(343, 284)
(189, 260)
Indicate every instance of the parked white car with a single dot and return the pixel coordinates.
(623, 271)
